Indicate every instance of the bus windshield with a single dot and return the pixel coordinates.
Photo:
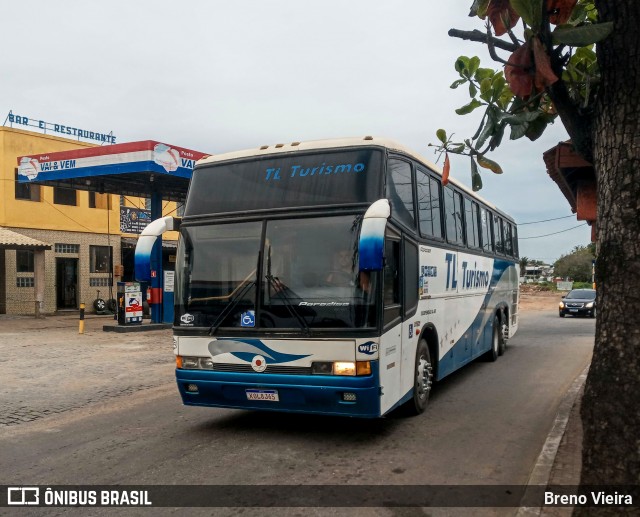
(302, 275)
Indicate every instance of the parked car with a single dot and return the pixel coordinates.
(579, 302)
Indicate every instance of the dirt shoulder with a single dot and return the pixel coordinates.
(534, 299)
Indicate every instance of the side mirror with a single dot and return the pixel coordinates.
(371, 244)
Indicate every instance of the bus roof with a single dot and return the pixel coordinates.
(335, 143)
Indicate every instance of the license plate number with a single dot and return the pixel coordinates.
(573, 310)
(267, 395)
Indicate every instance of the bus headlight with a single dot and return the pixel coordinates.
(341, 368)
(194, 363)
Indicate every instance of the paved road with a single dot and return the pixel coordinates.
(486, 424)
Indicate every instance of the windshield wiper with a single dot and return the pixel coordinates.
(280, 288)
(230, 306)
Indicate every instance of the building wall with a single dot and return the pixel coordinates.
(21, 300)
(56, 224)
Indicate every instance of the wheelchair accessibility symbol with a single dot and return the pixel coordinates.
(248, 319)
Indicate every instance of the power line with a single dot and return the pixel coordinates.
(554, 233)
(547, 220)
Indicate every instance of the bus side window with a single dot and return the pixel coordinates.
(453, 216)
(459, 218)
(498, 234)
(508, 239)
(391, 290)
(428, 205)
(435, 207)
(400, 192)
(410, 275)
(471, 219)
(487, 243)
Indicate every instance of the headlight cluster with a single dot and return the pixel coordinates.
(341, 368)
(194, 363)
(562, 305)
(589, 305)
(317, 368)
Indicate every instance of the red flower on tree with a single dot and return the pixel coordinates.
(560, 10)
(502, 16)
(519, 71)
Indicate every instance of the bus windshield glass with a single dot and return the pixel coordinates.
(308, 278)
(286, 181)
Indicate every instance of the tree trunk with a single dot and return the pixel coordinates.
(611, 404)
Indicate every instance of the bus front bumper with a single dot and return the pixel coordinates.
(319, 394)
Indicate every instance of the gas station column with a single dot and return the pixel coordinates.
(156, 263)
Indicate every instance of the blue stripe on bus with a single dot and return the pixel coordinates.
(459, 355)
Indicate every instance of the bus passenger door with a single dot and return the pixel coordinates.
(390, 351)
(411, 326)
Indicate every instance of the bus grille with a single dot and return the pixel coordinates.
(273, 369)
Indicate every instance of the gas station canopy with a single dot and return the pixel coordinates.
(137, 169)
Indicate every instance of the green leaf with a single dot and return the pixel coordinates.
(442, 135)
(485, 90)
(581, 36)
(457, 83)
(518, 130)
(474, 64)
(486, 132)
(537, 127)
(493, 117)
(529, 10)
(585, 54)
(498, 83)
(479, 8)
(462, 63)
(505, 98)
(484, 73)
(468, 108)
(472, 90)
(489, 164)
(496, 139)
(476, 180)
(522, 117)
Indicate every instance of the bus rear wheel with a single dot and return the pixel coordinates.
(422, 382)
(494, 352)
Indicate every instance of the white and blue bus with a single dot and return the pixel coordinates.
(337, 277)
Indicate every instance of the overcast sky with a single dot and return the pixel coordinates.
(217, 76)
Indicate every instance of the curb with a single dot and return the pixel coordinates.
(542, 470)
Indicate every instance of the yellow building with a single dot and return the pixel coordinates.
(81, 227)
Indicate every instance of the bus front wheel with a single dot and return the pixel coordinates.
(422, 382)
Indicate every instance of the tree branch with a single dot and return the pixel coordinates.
(577, 124)
(481, 37)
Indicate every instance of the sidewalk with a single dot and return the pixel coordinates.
(560, 461)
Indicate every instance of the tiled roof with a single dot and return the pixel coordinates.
(16, 241)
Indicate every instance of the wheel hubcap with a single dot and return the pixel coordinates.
(424, 376)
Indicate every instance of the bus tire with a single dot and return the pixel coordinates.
(502, 343)
(494, 351)
(422, 383)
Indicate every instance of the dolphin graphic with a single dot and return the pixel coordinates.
(246, 349)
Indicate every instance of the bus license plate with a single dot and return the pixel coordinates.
(267, 395)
